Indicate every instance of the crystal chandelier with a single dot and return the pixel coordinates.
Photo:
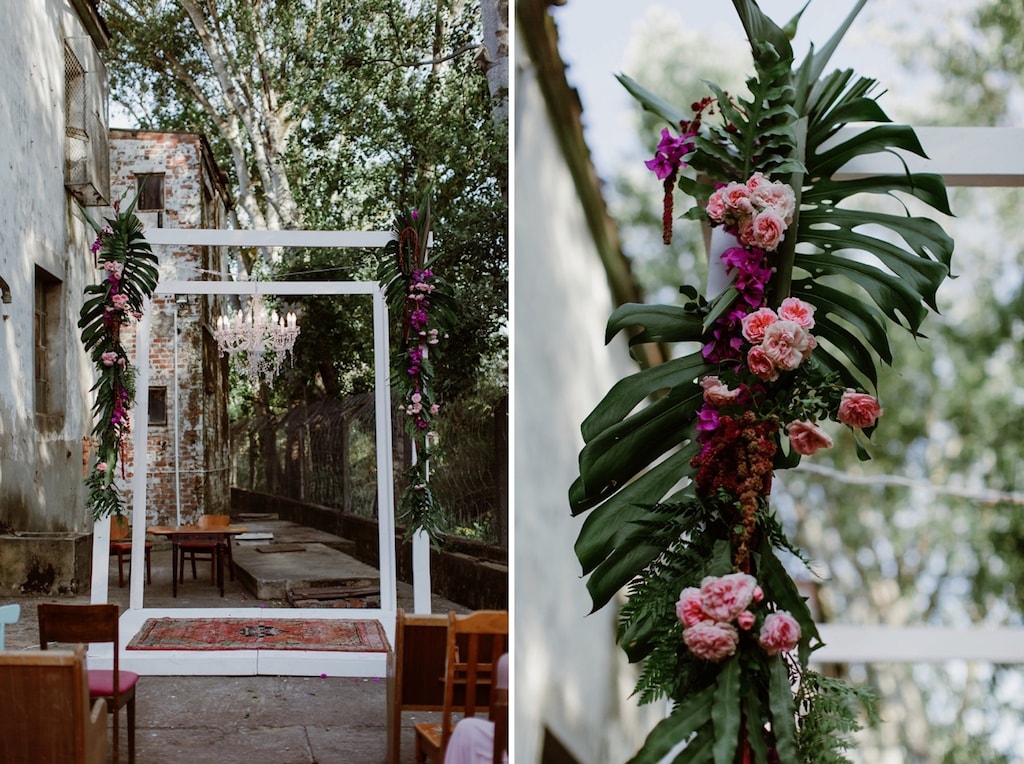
(260, 345)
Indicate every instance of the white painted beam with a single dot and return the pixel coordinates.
(845, 643)
(964, 156)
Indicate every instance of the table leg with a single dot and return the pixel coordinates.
(174, 568)
(220, 568)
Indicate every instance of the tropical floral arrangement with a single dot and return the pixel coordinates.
(129, 277)
(677, 467)
(423, 300)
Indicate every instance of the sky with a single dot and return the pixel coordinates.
(594, 36)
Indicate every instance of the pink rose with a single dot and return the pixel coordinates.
(858, 409)
(807, 438)
(757, 182)
(799, 312)
(775, 196)
(120, 301)
(745, 232)
(109, 358)
(780, 633)
(787, 344)
(745, 620)
(761, 365)
(737, 199)
(716, 393)
(758, 594)
(101, 467)
(755, 323)
(716, 206)
(690, 607)
(768, 230)
(711, 641)
(727, 596)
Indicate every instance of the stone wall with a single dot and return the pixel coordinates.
(467, 572)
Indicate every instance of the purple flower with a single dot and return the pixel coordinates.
(707, 419)
(669, 155)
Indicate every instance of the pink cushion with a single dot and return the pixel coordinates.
(101, 682)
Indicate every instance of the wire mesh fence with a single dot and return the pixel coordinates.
(324, 453)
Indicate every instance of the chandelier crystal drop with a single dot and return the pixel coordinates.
(259, 344)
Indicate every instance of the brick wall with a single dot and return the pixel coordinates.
(187, 452)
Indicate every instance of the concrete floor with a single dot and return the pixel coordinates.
(247, 719)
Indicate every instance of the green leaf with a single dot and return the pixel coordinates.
(607, 525)
(780, 701)
(653, 103)
(685, 719)
(725, 711)
(662, 323)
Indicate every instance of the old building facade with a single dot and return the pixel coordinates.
(180, 186)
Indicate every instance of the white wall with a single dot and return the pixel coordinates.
(569, 674)
(40, 470)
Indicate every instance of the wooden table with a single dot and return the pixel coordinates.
(186, 534)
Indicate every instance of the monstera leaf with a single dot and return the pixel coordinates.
(863, 271)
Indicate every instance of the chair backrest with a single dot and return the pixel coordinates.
(476, 642)
(80, 623)
(214, 521)
(119, 527)
(44, 705)
(416, 670)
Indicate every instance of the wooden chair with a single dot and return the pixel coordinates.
(499, 712)
(88, 624)
(9, 614)
(475, 642)
(415, 672)
(121, 545)
(207, 551)
(46, 711)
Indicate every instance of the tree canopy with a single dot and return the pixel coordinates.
(335, 114)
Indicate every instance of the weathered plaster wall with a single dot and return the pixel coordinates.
(41, 485)
(577, 681)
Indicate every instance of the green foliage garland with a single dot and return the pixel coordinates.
(678, 459)
(130, 277)
(424, 302)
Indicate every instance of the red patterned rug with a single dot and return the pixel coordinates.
(260, 634)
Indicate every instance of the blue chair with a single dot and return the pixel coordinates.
(8, 614)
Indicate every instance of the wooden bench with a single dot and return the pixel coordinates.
(45, 711)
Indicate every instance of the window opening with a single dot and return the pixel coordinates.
(151, 192)
(158, 405)
(47, 352)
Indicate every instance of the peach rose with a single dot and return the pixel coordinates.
(690, 607)
(768, 230)
(754, 324)
(725, 597)
(858, 409)
(787, 344)
(796, 310)
(716, 393)
(780, 633)
(807, 438)
(761, 365)
(711, 641)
